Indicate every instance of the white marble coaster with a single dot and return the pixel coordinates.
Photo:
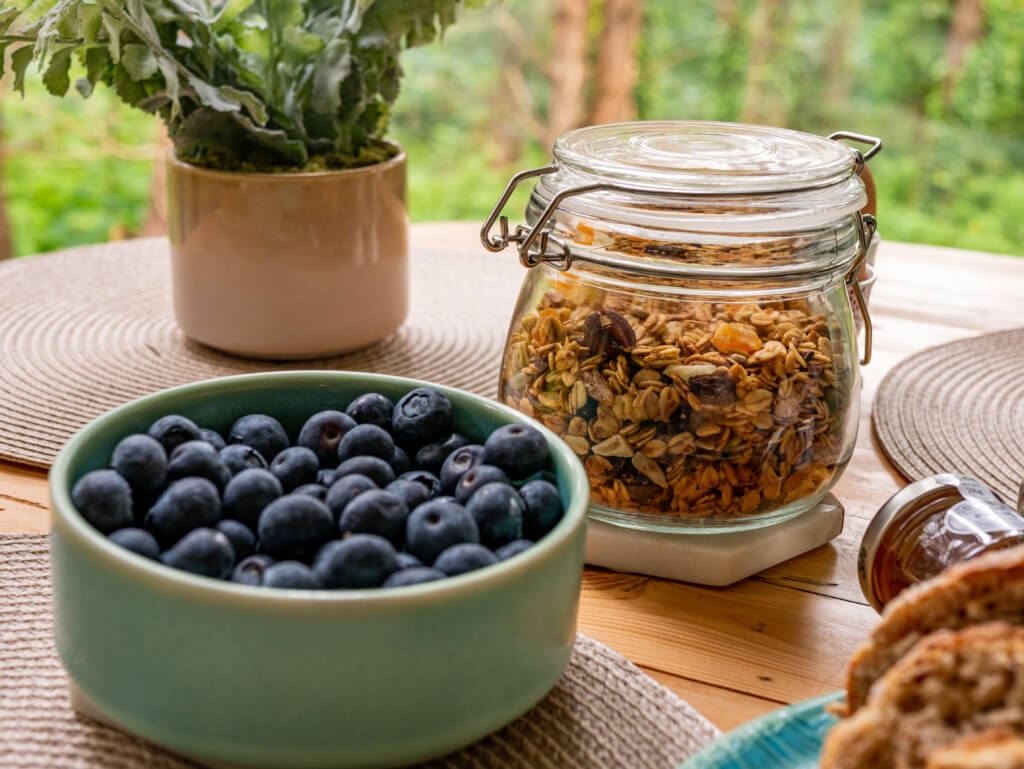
(712, 559)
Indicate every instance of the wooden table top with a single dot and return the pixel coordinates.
(784, 635)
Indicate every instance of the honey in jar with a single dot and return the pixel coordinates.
(929, 525)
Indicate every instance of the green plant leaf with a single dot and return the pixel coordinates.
(250, 101)
(7, 17)
(330, 71)
(139, 61)
(300, 45)
(90, 21)
(95, 59)
(113, 28)
(282, 14)
(55, 78)
(19, 63)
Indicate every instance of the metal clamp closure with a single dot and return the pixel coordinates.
(866, 228)
(860, 160)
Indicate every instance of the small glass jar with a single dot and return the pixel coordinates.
(685, 325)
(929, 525)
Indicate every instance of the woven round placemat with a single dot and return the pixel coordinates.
(86, 329)
(603, 714)
(957, 407)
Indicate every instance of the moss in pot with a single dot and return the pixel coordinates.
(286, 205)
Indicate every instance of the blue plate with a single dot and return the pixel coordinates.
(788, 738)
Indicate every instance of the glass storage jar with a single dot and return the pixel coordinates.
(685, 324)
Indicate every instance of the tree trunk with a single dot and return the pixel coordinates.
(762, 103)
(965, 31)
(155, 222)
(6, 245)
(727, 11)
(616, 62)
(568, 67)
(837, 65)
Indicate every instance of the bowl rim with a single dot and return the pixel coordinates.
(65, 516)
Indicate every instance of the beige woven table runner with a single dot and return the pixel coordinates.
(604, 713)
(957, 407)
(86, 329)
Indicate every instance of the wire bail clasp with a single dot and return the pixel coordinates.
(533, 244)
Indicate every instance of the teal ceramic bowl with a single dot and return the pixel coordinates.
(242, 676)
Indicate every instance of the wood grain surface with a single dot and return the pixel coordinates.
(784, 635)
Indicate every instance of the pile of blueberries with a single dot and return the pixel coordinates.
(382, 494)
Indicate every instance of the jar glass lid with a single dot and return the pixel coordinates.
(681, 156)
(703, 177)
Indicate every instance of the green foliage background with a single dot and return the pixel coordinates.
(78, 171)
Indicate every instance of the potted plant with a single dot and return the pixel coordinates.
(286, 206)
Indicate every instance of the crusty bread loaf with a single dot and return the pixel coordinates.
(994, 749)
(989, 587)
(950, 686)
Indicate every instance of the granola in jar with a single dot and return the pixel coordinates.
(689, 409)
(685, 325)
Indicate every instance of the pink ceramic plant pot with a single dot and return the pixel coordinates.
(289, 266)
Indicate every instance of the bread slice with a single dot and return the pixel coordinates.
(987, 588)
(950, 686)
(994, 749)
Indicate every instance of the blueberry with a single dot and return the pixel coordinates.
(291, 574)
(478, 476)
(137, 540)
(294, 467)
(248, 493)
(238, 457)
(543, 508)
(436, 525)
(314, 490)
(459, 559)
(460, 462)
(366, 440)
(263, 433)
(422, 416)
(141, 461)
(173, 430)
(540, 475)
(322, 433)
(202, 551)
(212, 437)
(432, 456)
(400, 461)
(376, 512)
(186, 505)
(408, 561)
(414, 576)
(374, 468)
(197, 459)
(517, 449)
(429, 481)
(242, 540)
(326, 477)
(515, 547)
(412, 493)
(371, 409)
(344, 490)
(361, 560)
(294, 527)
(251, 570)
(104, 499)
(498, 511)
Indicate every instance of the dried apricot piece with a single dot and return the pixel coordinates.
(736, 337)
